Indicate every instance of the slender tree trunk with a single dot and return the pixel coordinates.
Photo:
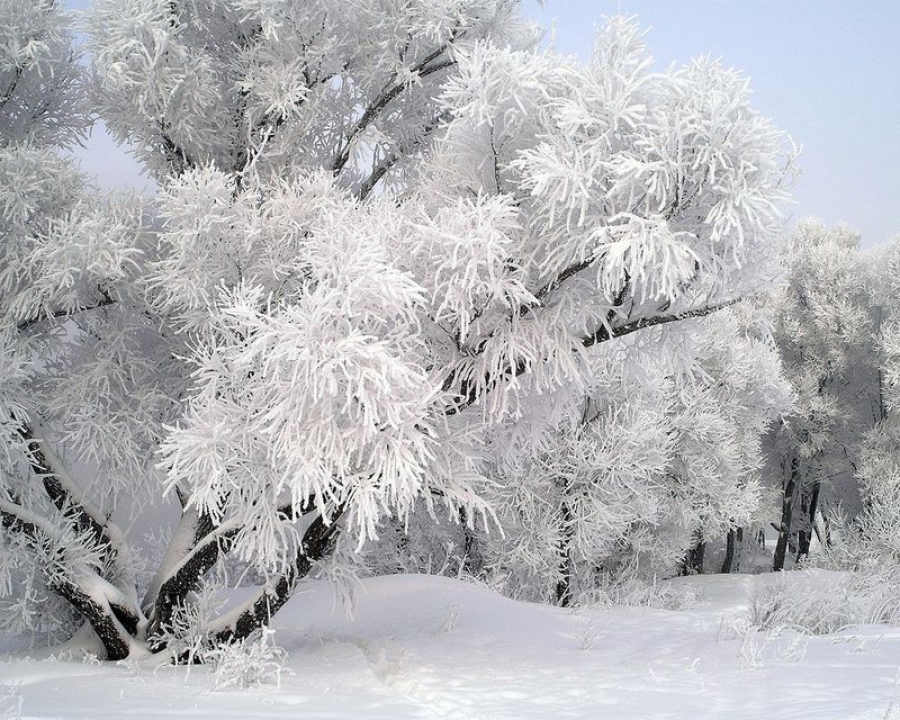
(787, 513)
(810, 506)
(733, 543)
(693, 561)
(318, 541)
(471, 561)
(823, 530)
(880, 407)
(566, 570)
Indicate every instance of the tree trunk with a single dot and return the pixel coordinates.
(823, 530)
(693, 561)
(733, 543)
(787, 513)
(471, 561)
(317, 543)
(564, 584)
(810, 506)
(103, 620)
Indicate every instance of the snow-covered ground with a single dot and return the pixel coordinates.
(429, 647)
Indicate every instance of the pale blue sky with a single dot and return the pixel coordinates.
(827, 71)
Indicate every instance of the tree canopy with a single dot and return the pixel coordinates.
(394, 245)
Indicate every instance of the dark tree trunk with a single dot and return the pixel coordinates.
(108, 621)
(810, 506)
(564, 584)
(471, 561)
(787, 513)
(113, 635)
(733, 543)
(693, 561)
(317, 543)
(176, 588)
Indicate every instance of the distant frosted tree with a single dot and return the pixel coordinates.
(824, 328)
(384, 232)
(875, 533)
(660, 458)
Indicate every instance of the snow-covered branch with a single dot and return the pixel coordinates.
(606, 333)
(105, 301)
(427, 66)
(64, 493)
(69, 572)
(406, 150)
(258, 611)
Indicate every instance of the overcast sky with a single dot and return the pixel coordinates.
(826, 71)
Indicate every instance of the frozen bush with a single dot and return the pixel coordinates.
(815, 603)
(633, 591)
(255, 660)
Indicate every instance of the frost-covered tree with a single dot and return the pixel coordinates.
(62, 255)
(660, 457)
(824, 328)
(874, 538)
(720, 419)
(385, 230)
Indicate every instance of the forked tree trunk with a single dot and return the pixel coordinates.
(107, 599)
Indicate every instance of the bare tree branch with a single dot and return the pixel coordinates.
(470, 394)
(177, 156)
(604, 333)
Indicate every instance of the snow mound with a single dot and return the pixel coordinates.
(429, 647)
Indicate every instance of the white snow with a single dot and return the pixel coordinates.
(431, 647)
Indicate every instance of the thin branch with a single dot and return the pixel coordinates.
(469, 393)
(388, 93)
(20, 69)
(268, 126)
(105, 301)
(11, 89)
(605, 333)
(544, 291)
(176, 155)
(385, 166)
